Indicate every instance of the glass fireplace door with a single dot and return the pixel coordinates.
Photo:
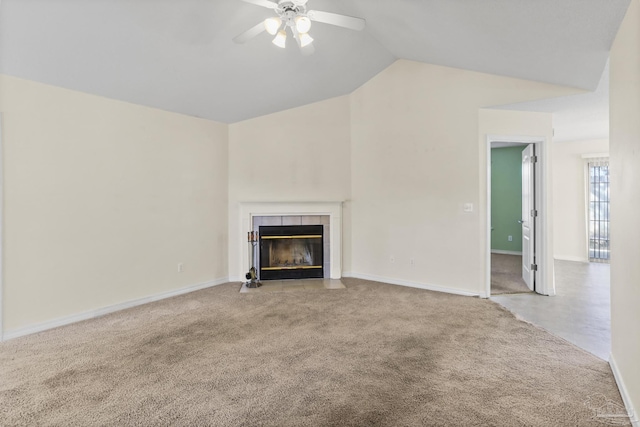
(291, 252)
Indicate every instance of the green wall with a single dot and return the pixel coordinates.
(506, 198)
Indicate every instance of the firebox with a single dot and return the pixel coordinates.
(291, 252)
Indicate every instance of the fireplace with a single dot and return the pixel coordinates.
(253, 215)
(291, 252)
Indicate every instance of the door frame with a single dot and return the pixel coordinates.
(528, 221)
(545, 283)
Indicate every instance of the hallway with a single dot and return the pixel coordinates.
(580, 311)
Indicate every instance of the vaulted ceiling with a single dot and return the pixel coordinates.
(178, 55)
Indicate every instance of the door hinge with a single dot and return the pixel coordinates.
(534, 267)
(534, 159)
(534, 213)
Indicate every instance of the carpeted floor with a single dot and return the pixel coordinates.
(506, 275)
(370, 354)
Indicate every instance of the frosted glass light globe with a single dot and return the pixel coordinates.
(272, 25)
(303, 24)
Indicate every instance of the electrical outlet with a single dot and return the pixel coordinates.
(510, 238)
(392, 259)
(180, 267)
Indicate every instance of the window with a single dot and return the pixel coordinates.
(598, 173)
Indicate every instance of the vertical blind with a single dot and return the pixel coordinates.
(599, 206)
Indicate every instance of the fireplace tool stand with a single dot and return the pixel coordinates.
(253, 281)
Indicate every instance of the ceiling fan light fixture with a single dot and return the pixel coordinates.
(280, 39)
(305, 39)
(293, 16)
(272, 25)
(303, 24)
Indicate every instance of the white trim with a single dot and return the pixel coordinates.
(585, 209)
(544, 248)
(501, 252)
(333, 209)
(66, 320)
(425, 286)
(633, 415)
(595, 155)
(570, 258)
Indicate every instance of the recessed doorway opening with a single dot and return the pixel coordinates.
(524, 227)
(506, 224)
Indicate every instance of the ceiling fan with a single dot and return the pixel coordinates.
(293, 14)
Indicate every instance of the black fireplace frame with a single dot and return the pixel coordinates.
(269, 232)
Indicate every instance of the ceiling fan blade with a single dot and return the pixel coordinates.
(345, 21)
(264, 3)
(250, 33)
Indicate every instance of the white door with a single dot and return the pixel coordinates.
(528, 216)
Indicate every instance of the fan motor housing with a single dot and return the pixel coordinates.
(296, 7)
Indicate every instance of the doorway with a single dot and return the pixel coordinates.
(510, 235)
(537, 224)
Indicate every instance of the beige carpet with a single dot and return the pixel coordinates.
(506, 275)
(371, 354)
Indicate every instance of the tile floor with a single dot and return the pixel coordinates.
(580, 311)
(294, 285)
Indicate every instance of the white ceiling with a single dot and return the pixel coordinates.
(178, 55)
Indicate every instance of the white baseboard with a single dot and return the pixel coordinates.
(66, 320)
(633, 415)
(426, 286)
(570, 258)
(501, 252)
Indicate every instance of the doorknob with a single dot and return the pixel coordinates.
(520, 221)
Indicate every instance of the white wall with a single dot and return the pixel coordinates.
(298, 155)
(408, 145)
(416, 159)
(102, 200)
(569, 198)
(625, 205)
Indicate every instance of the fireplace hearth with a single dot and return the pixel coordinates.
(291, 252)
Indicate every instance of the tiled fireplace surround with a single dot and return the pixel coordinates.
(327, 214)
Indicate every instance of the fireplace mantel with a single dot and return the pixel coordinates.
(248, 210)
